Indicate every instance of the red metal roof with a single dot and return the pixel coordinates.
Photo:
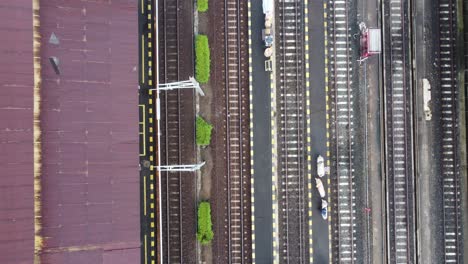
(90, 177)
(16, 133)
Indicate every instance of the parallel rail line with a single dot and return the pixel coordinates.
(400, 185)
(449, 118)
(171, 130)
(237, 136)
(342, 74)
(291, 165)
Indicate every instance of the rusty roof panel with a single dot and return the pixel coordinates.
(90, 134)
(16, 133)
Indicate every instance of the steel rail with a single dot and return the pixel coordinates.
(405, 118)
(453, 125)
(178, 144)
(405, 139)
(240, 129)
(299, 111)
(349, 131)
(297, 103)
(233, 134)
(285, 142)
(350, 136)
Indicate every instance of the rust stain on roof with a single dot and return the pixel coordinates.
(106, 247)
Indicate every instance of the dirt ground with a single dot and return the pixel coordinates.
(204, 110)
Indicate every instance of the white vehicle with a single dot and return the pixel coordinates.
(320, 187)
(324, 210)
(320, 166)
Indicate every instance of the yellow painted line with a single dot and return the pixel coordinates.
(146, 251)
(142, 59)
(327, 117)
(142, 7)
(144, 195)
(142, 108)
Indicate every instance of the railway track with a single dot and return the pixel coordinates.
(399, 167)
(293, 244)
(171, 132)
(449, 128)
(344, 239)
(237, 133)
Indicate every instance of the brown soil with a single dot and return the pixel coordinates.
(205, 103)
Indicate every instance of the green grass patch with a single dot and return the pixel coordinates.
(202, 5)
(202, 59)
(205, 232)
(203, 132)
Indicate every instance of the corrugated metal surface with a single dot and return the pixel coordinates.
(90, 177)
(16, 133)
